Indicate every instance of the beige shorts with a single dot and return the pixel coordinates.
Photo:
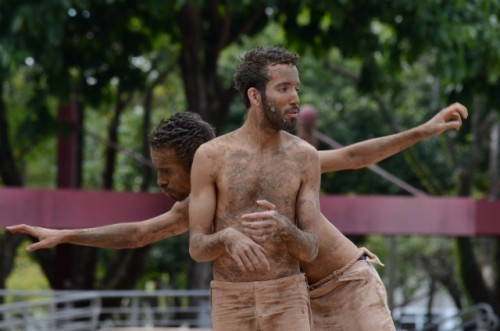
(356, 300)
(275, 305)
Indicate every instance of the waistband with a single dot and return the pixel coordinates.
(363, 254)
(272, 282)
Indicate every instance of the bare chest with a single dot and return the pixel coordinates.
(246, 178)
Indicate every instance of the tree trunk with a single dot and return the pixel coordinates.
(469, 268)
(8, 172)
(110, 153)
(10, 177)
(494, 165)
(198, 62)
(495, 195)
(9, 244)
(471, 274)
(147, 172)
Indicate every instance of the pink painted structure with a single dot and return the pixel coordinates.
(388, 215)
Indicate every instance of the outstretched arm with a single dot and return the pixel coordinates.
(371, 151)
(120, 235)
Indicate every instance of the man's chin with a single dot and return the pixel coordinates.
(175, 196)
(181, 197)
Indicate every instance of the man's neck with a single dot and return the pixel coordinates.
(257, 129)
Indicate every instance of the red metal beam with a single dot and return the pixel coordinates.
(398, 215)
(403, 215)
(66, 208)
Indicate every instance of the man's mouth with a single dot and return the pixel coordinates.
(166, 192)
(293, 113)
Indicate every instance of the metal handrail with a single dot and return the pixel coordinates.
(480, 316)
(84, 310)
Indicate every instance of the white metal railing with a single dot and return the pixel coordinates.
(479, 317)
(91, 310)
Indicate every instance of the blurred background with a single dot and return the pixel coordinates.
(114, 68)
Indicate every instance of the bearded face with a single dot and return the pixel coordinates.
(276, 116)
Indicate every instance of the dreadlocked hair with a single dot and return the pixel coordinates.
(184, 132)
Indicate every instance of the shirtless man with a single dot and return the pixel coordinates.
(230, 174)
(334, 306)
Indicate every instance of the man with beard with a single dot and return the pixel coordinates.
(345, 295)
(258, 285)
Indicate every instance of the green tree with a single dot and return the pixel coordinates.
(87, 53)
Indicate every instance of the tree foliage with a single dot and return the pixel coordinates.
(369, 68)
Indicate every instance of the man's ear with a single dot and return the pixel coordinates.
(254, 96)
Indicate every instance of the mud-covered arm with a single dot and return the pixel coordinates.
(204, 244)
(371, 151)
(119, 235)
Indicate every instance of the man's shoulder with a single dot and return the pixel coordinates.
(215, 142)
(213, 147)
(300, 143)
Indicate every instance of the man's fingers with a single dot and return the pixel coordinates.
(252, 258)
(238, 259)
(455, 117)
(17, 229)
(458, 121)
(458, 109)
(257, 259)
(34, 247)
(240, 263)
(452, 117)
(256, 224)
(249, 261)
(253, 232)
(261, 258)
(266, 204)
(461, 108)
(260, 239)
(259, 233)
(254, 216)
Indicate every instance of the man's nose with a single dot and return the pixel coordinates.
(161, 180)
(295, 99)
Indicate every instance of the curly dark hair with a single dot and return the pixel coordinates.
(252, 71)
(184, 132)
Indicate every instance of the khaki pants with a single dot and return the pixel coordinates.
(275, 305)
(356, 300)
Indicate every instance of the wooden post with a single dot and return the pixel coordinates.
(307, 124)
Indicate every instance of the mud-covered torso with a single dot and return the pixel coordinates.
(244, 175)
(335, 251)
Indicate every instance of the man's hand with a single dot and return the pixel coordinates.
(47, 237)
(248, 255)
(265, 225)
(270, 224)
(449, 118)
